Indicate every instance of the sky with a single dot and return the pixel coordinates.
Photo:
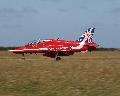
(22, 21)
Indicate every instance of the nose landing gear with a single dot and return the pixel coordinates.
(57, 58)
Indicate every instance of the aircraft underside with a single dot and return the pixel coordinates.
(53, 54)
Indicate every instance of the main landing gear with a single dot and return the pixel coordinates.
(57, 58)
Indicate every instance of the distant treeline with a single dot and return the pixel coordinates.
(107, 49)
(7, 48)
(98, 49)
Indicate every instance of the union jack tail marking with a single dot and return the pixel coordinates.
(87, 36)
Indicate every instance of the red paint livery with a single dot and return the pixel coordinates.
(55, 48)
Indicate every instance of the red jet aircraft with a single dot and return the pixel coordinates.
(55, 48)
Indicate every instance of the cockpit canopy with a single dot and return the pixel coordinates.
(39, 41)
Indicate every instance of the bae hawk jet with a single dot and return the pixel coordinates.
(56, 48)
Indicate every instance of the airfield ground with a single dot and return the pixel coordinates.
(91, 74)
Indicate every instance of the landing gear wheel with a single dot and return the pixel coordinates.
(23, 56)
(58, 58)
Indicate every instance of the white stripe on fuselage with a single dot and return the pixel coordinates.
(15, 50)
(31, 49)
(43, 48)
(36, 49)
(28, 50)
(81, 44)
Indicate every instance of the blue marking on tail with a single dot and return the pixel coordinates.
(87, 36)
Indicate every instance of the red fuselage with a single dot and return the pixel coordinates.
(50, 47)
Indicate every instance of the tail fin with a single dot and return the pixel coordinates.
(87, 36)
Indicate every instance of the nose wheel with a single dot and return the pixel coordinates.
(57, 58)
(23, 56)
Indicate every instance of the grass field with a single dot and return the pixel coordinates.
(91, 74)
